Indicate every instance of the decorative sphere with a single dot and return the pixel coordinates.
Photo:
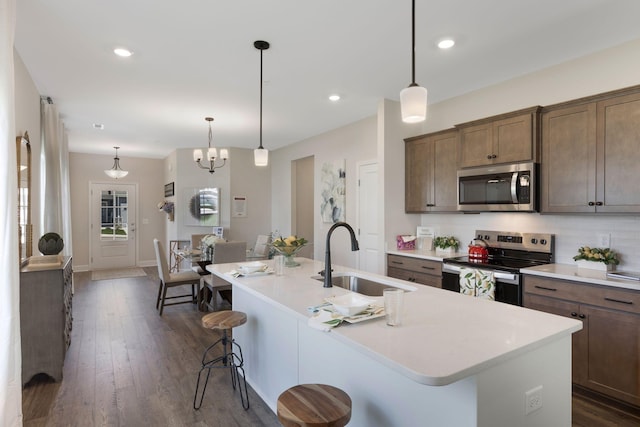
(50, 244)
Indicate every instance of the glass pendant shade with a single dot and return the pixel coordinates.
(261, 156)
(116, 171)
(197, 155)
(212, 153)
(413, 104)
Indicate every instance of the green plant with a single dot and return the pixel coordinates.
(446, 242)
(604, 255)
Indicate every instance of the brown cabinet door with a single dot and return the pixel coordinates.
(579, 359)
(613, 353)
(431, 173)
(418, 156)
(513, 139)
(445, 177)
(476, 145)
(568, 159)
(618, 156)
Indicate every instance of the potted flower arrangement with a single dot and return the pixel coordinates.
(596, 258)
(289, 247)
(446, 244)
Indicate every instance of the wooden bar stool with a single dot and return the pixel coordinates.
(224, 321)
(318, 405)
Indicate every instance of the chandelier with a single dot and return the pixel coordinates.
(212, 153)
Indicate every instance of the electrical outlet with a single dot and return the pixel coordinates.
(604, 240)
(533, 400)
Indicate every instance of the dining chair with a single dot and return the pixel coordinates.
(170, 280)
(222, 253)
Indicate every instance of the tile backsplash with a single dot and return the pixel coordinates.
(571, 231)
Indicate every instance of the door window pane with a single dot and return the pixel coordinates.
(114, 219)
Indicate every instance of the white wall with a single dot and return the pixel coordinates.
(27, 115)
(238, 177)
(147, 173)
(354, 143)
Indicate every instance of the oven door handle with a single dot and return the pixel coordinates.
(498, 275)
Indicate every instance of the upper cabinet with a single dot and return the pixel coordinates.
(430, 172)
(590, 154)
(507, 138)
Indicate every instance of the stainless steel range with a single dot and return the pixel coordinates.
(508, 252)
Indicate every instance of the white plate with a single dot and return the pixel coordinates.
(252, 267)
(350, 304)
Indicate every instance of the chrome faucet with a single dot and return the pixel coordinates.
(327, 256)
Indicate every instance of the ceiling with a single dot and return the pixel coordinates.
(195, 58)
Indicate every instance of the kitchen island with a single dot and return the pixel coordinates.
(455, 360)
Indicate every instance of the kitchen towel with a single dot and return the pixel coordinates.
(468, 281)
(485, 285)
(477, 283)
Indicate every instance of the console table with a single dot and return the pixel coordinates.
(45, 317)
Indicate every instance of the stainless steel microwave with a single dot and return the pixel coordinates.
(500, 188)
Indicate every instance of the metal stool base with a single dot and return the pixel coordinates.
(229, 359)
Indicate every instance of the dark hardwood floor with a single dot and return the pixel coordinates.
(127, 366)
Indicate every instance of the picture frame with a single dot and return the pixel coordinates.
(169, 189)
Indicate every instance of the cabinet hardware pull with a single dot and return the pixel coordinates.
(574, 314)
(428, 268)
(545, 288)
(488, 156)
(397, 262)
(591, 204)
(599, 203)
(618, 300)
(430, 205)
(493, 156)
(582, 316)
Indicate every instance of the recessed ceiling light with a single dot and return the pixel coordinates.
(98, 126)
(334, 98)
(446, 43)
(120, 51)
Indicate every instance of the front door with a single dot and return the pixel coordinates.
(113, 216)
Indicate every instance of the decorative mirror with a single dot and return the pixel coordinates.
(25, 229)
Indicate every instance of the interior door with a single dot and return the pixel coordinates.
(368, 233)
(113, 216)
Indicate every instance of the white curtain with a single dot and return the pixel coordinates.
(10, 354)
(56, 200)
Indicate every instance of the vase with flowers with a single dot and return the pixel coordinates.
(447, 244)
(596, 258)
(289, 247)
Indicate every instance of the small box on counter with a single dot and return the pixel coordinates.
(405, 243)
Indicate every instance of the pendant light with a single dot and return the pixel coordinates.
(260, 154)
(116, 171)
(413, 99)
(212, 153)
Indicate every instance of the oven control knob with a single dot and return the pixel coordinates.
(534, 241)
(543, 241)
(486, 237)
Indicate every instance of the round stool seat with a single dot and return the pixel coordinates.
(223, 320)
(314, 405)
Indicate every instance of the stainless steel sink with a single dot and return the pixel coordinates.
(358, 284)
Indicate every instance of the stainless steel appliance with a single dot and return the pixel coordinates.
(498, 188)
(508, 253)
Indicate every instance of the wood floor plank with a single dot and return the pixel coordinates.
(128, 366)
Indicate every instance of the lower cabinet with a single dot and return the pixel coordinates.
(606, 352)
(417, 270)
(45, 319)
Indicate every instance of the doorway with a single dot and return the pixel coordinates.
(368, 232)
(112, 232)
(302, 195)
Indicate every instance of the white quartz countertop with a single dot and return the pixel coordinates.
(423, 254)
(444, 336)
(584, 275)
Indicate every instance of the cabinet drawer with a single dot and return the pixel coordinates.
(418, 265)
(602, 296)
(415, 277)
